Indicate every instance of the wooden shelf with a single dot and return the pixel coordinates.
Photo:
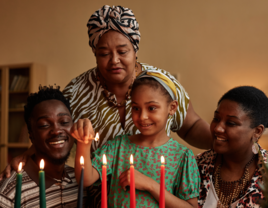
(18, 145)
(14, 139)
(16, 110)
(18, 92)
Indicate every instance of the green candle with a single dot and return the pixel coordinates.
(18, 187)
(42, 186)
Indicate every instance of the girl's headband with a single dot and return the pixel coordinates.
(163, 80)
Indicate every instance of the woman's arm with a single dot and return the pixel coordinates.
(91, 175)
(195, 130)
(84, 134)
(145, 183)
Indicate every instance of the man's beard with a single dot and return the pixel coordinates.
(60, 161)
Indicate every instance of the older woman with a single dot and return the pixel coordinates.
(232, 170)
(102, 95)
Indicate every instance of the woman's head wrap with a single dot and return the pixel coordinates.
(115, 18)
(163, 80)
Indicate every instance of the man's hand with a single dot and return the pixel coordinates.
(142, 182)
(83, 131)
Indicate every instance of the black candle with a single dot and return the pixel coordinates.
(81, 186)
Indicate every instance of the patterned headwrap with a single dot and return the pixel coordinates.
(116, 18)
(163, 80)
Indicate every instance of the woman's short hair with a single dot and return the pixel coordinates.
(253, 101)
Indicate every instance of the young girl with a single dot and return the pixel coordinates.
(153, 102)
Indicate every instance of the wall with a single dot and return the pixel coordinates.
(212, 45)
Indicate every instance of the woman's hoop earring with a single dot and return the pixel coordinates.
(255, 146)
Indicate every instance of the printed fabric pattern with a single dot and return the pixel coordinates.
(254, 194)
(115, 18)
(85, 94)
(181, 177)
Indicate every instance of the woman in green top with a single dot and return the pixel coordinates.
(154, 100)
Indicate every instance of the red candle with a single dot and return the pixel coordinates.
(132, 184)
(104, 183)
(162, 184)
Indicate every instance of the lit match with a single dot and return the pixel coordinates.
(97, 137)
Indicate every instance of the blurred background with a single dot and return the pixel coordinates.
(211, 46)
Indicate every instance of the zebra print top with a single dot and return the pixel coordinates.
(87, 101)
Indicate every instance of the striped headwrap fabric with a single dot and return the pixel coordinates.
(115, 18)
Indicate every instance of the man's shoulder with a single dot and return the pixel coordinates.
(8, 188)
(8, 184)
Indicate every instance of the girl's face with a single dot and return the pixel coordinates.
(150, 110)
(231, 129)
(116, 58)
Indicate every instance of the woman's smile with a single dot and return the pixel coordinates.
(230, 128)
(221, 139)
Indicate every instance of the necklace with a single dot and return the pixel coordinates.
(110, 96)
(229, 191)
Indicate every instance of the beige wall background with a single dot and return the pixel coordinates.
(212, 45)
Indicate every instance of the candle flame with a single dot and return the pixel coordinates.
(81, 160)
(97, 137)
(42, 164)
(131, 159)
(104, 160)
(162, 160)
(20, 167)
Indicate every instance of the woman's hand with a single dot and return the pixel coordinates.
(14, 165)
(83, 131)
(142, 182)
